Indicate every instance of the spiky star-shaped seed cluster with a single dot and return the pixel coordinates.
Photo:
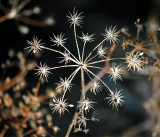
(135, 61)
(115, 99)
(60, 105)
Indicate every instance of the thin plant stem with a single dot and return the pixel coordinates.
(30, 21)
(96, 67)
(15, 80)
(4, 130)
(70, 52)
(137, 39)
(72, 123)
(29, 132)
(103, 71)
(3, 8)
(37, 88)
(27, 110)
(82, 84)
(84, 45)
(22, 4)
(100, 80)
(91, 58)
(71, 76)
(66, 66)
(95, 49)
(142, 48)
(58, 52)
(106, 60)
(3, 18)
(74, 73)
(75, 36)
(88, 74)
(42, 98)
(88, 86)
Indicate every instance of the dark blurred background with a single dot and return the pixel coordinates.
(98, 14)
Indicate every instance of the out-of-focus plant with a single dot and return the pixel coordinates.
(20, 109)
(151, 53)
(17, 12)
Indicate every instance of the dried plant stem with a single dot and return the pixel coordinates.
(100, 80)
(75, 36)
(43, 98)
(71, 125)
(27, 110)
(3, 18)
(95, 49)
(57, 52)
(71, 78)
(64, 66)
(154, 36)
(69, 52)
(4, 130)
(155, 132)
(14, 81)
(84, 45)
(140, 47)
(22, 4)
(104, 60)
(49, 134)
(3, 8)
(103, 71)
(91, 58)
(82, 84)
(81, 98)
(137, 39)
(30, 21)
(29, 132)
(37, 88)
(88, 86)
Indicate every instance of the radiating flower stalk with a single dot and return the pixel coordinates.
(21, 15)
(84, 65)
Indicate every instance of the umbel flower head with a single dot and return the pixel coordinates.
(115, 99)
(66, 58)
(115, 73)
(135, 61)
(102, 51)
(65, 84)
(96, 87)
(75, 18)
(111, 34)
(58, 40)
(86, 104)
(87, 37)
(35, 45)
(43, 71)
(60, 105)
